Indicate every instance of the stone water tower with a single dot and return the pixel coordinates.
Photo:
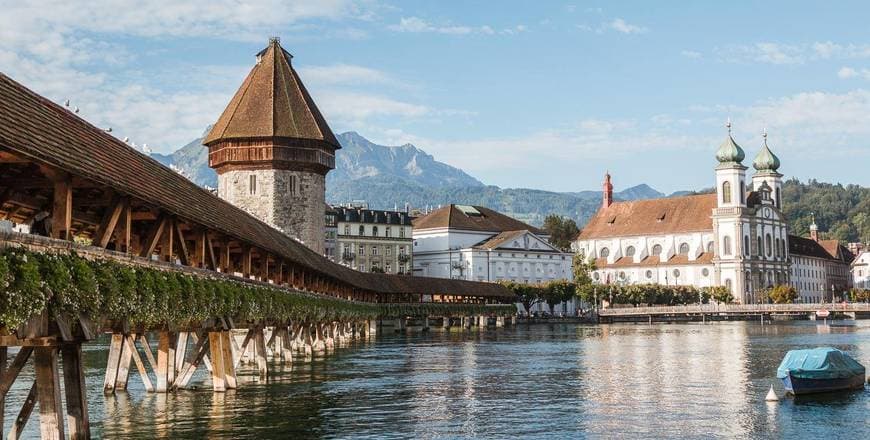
(272, 148)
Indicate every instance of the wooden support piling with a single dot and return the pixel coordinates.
(227, 357)
(23, 414)
(124, 364)
(76, 391)
(3, 354)
(115, 346)
(165, 361)
(48, 393)
(260, 344)
(140, 366)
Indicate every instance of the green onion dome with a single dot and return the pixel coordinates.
(766, 160)
(729, 151)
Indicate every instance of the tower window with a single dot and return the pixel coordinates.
(252, 184)
(292, 185)
(742, 192)
(726, 245)
(746, 245)
(726, 192)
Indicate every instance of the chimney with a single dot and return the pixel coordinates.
(608, 191)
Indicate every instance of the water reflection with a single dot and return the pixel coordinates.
(547, 381)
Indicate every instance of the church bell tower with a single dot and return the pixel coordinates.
(272, 148)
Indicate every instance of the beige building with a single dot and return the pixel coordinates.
(373, 240)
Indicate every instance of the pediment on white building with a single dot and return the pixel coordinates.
(517, 240)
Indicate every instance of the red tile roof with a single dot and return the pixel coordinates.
(487, 220)
(652, 217)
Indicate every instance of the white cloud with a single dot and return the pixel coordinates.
(691, 54)
(419, 25)
(619, 25)
(353, 109)
(847, 72)
(779, 53)
(343, 74)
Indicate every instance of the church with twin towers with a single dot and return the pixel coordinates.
(736, 237)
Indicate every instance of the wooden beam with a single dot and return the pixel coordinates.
(143, 373)
(247, 256)
(116, 346)
(153, 237)
(3, 357)
(125, 229)
(48, 393)
(76, 392)
(23, 415)
(149, 354)
(209, 250)
(183, 255)
(226, 263)
(107, 225)
(61, 210)
(12, 371)
(197, 258)
(201, 348)
(167, 247)
(218, 377)
(10, 157)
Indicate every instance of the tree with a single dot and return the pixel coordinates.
(859, 295)
(527, 295)
(720, 294)
(557, 292)
(562, 231)
(582, 269)
(782, 294)
(377, 269)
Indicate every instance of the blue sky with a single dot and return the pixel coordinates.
(545, 95)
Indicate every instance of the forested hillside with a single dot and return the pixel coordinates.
(841, 211)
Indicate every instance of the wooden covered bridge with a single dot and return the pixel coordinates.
(106, 239)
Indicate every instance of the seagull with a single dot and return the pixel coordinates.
(76, 109)
(126, 140)
(109, 130)
(66, 103)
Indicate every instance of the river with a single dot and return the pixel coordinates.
(539, 381)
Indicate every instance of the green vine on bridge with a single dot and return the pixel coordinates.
(149, 297)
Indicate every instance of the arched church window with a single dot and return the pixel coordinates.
(760, 250)
(604, 252)
(629, 251)
(767, 241)
(778, 199)
(726, 192)
(684, 249)
(742, 192)
(710, 247)
(657, 250)
(746, 245)
(728, 285)
(726, 245)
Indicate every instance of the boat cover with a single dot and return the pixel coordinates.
(819, 363)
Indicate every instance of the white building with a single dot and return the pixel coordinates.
(373, 240)
(861, 271)
(734, 237)
(479, 244)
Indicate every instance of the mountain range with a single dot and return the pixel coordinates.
(391, 177)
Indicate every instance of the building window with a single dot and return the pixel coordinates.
(746, 246)
(401, 232)
(374, 231)
(684, 249)
(621, 275)
(596, 276)
(292, 185)
(657, 250)
(705, 272)
(676, 273)
(710, 247)
(374, 250)
(362, 251)
(387, 232)
(346, 229)
(362, 230)
(726, 192)
(604, 253)
(389, 250)
(649, 274)
(767, 241)
(760, 250)
(388, 268)
(629, 251)
(742, 192)
(252, 184)
(726, 245)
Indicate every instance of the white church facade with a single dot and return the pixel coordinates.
(735, 237)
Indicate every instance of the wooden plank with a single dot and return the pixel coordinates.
(12, 371)
(197, 259)
(115, 347)
(143, 373)
(124, 364)
(76, 392)
(167, 246)
(181, 351)
(196, 338)
(183, 255)
(124, 229)
(61, 210)
(218, 377)
(241, 351)
(226, 263)
(155, 233)
(229, 367)
(110, 220)
(163, 354)
(23, 415)
(247, 256)
(149, 354)
(48, 393)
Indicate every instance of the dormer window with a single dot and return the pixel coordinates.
(661, 217)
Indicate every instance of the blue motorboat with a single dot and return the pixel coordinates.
(819, 370)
